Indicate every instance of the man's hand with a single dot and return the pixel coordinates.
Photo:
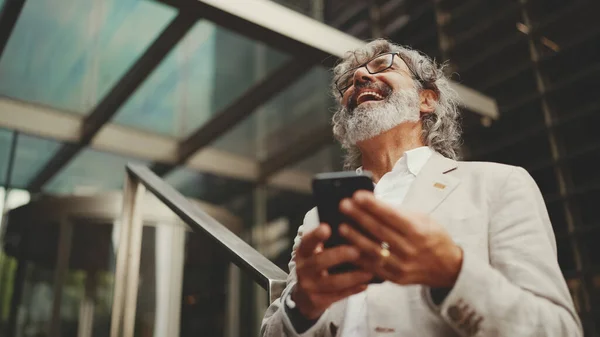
(421, 250)
(316, 290)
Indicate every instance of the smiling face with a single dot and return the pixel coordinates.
(386, 73)
(374, 103)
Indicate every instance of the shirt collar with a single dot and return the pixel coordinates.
(412, 160)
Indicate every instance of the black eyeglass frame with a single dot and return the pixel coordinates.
(343, 90)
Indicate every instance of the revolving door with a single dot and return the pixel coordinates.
(57, 272)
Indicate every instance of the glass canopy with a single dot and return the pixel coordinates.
(68, 54)
(204, 186)
(298, 109)
(5, 145)
(209, 69)
(31, 154)
(91, 172)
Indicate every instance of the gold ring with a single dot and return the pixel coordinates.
(385, 250)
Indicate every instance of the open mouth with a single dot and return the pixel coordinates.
(368, 96)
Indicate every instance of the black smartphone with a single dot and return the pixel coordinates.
(329, 189)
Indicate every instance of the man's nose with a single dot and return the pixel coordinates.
(362, 75)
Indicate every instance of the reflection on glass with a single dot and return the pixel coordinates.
(326, 159)
(205, 186)
(87, 292)
(5, 144)
(8, 269)
(294, 112)
(209, 69)
(37, 252)
(201, 281)
(32, 281)
(35, 314)
(185, 288)
(68, 54)
(31, 155)
(90, 172)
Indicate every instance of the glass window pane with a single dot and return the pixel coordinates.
(6, 137)
(31, 155)
(293, 113)
(209, 69)
(195, 268)
(68, 54)
(91, 171)
(207, 187)
(327, 159)
(88, 288)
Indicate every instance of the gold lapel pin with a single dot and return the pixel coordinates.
(439, 185)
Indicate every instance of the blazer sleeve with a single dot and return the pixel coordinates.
(276, 322)
(521, 290)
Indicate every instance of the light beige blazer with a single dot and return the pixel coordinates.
(510, 283)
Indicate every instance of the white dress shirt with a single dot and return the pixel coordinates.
(392, 189)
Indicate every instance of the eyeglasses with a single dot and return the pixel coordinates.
(375, 65)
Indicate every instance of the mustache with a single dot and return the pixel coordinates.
(385, 89)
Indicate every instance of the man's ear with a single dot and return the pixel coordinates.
(428, 100)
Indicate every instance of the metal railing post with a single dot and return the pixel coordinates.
(128, 260)
(264, 272)
(60, 273)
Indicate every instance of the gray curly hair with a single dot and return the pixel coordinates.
(441, 129)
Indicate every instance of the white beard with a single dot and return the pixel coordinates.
(372, 119)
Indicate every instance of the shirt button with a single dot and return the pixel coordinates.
(454, 313)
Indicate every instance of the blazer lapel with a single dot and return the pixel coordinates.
(432, 185)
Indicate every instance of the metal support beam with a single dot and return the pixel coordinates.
(8, 18)
(349, 14)
(474, 31)
(563, 161)
(444, 40)
(64, 126)
(534, 29)
(296, 151)
(462, 10)
(224, 120)
(128, 259)
(415, 14)
(375, 20)
(562, 173)
(300, 36)
(516, 138)
(118, 95)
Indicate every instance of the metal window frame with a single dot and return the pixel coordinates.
(306, 39)
(117, 96)
(62, 126)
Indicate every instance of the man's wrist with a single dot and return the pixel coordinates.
(439, 294)
(455, 265)
(300, 322)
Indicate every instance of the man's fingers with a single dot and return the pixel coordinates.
(371, 224)
(387, 270)
(364, 244)
(371, 250)
(343, 281)
(386, 214)
(311, 240)
(332, 257)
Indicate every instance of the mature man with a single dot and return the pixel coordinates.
(464, 248)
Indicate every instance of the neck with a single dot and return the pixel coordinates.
(380, 153)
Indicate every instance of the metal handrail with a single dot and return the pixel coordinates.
(139, 179)
(263, 271)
